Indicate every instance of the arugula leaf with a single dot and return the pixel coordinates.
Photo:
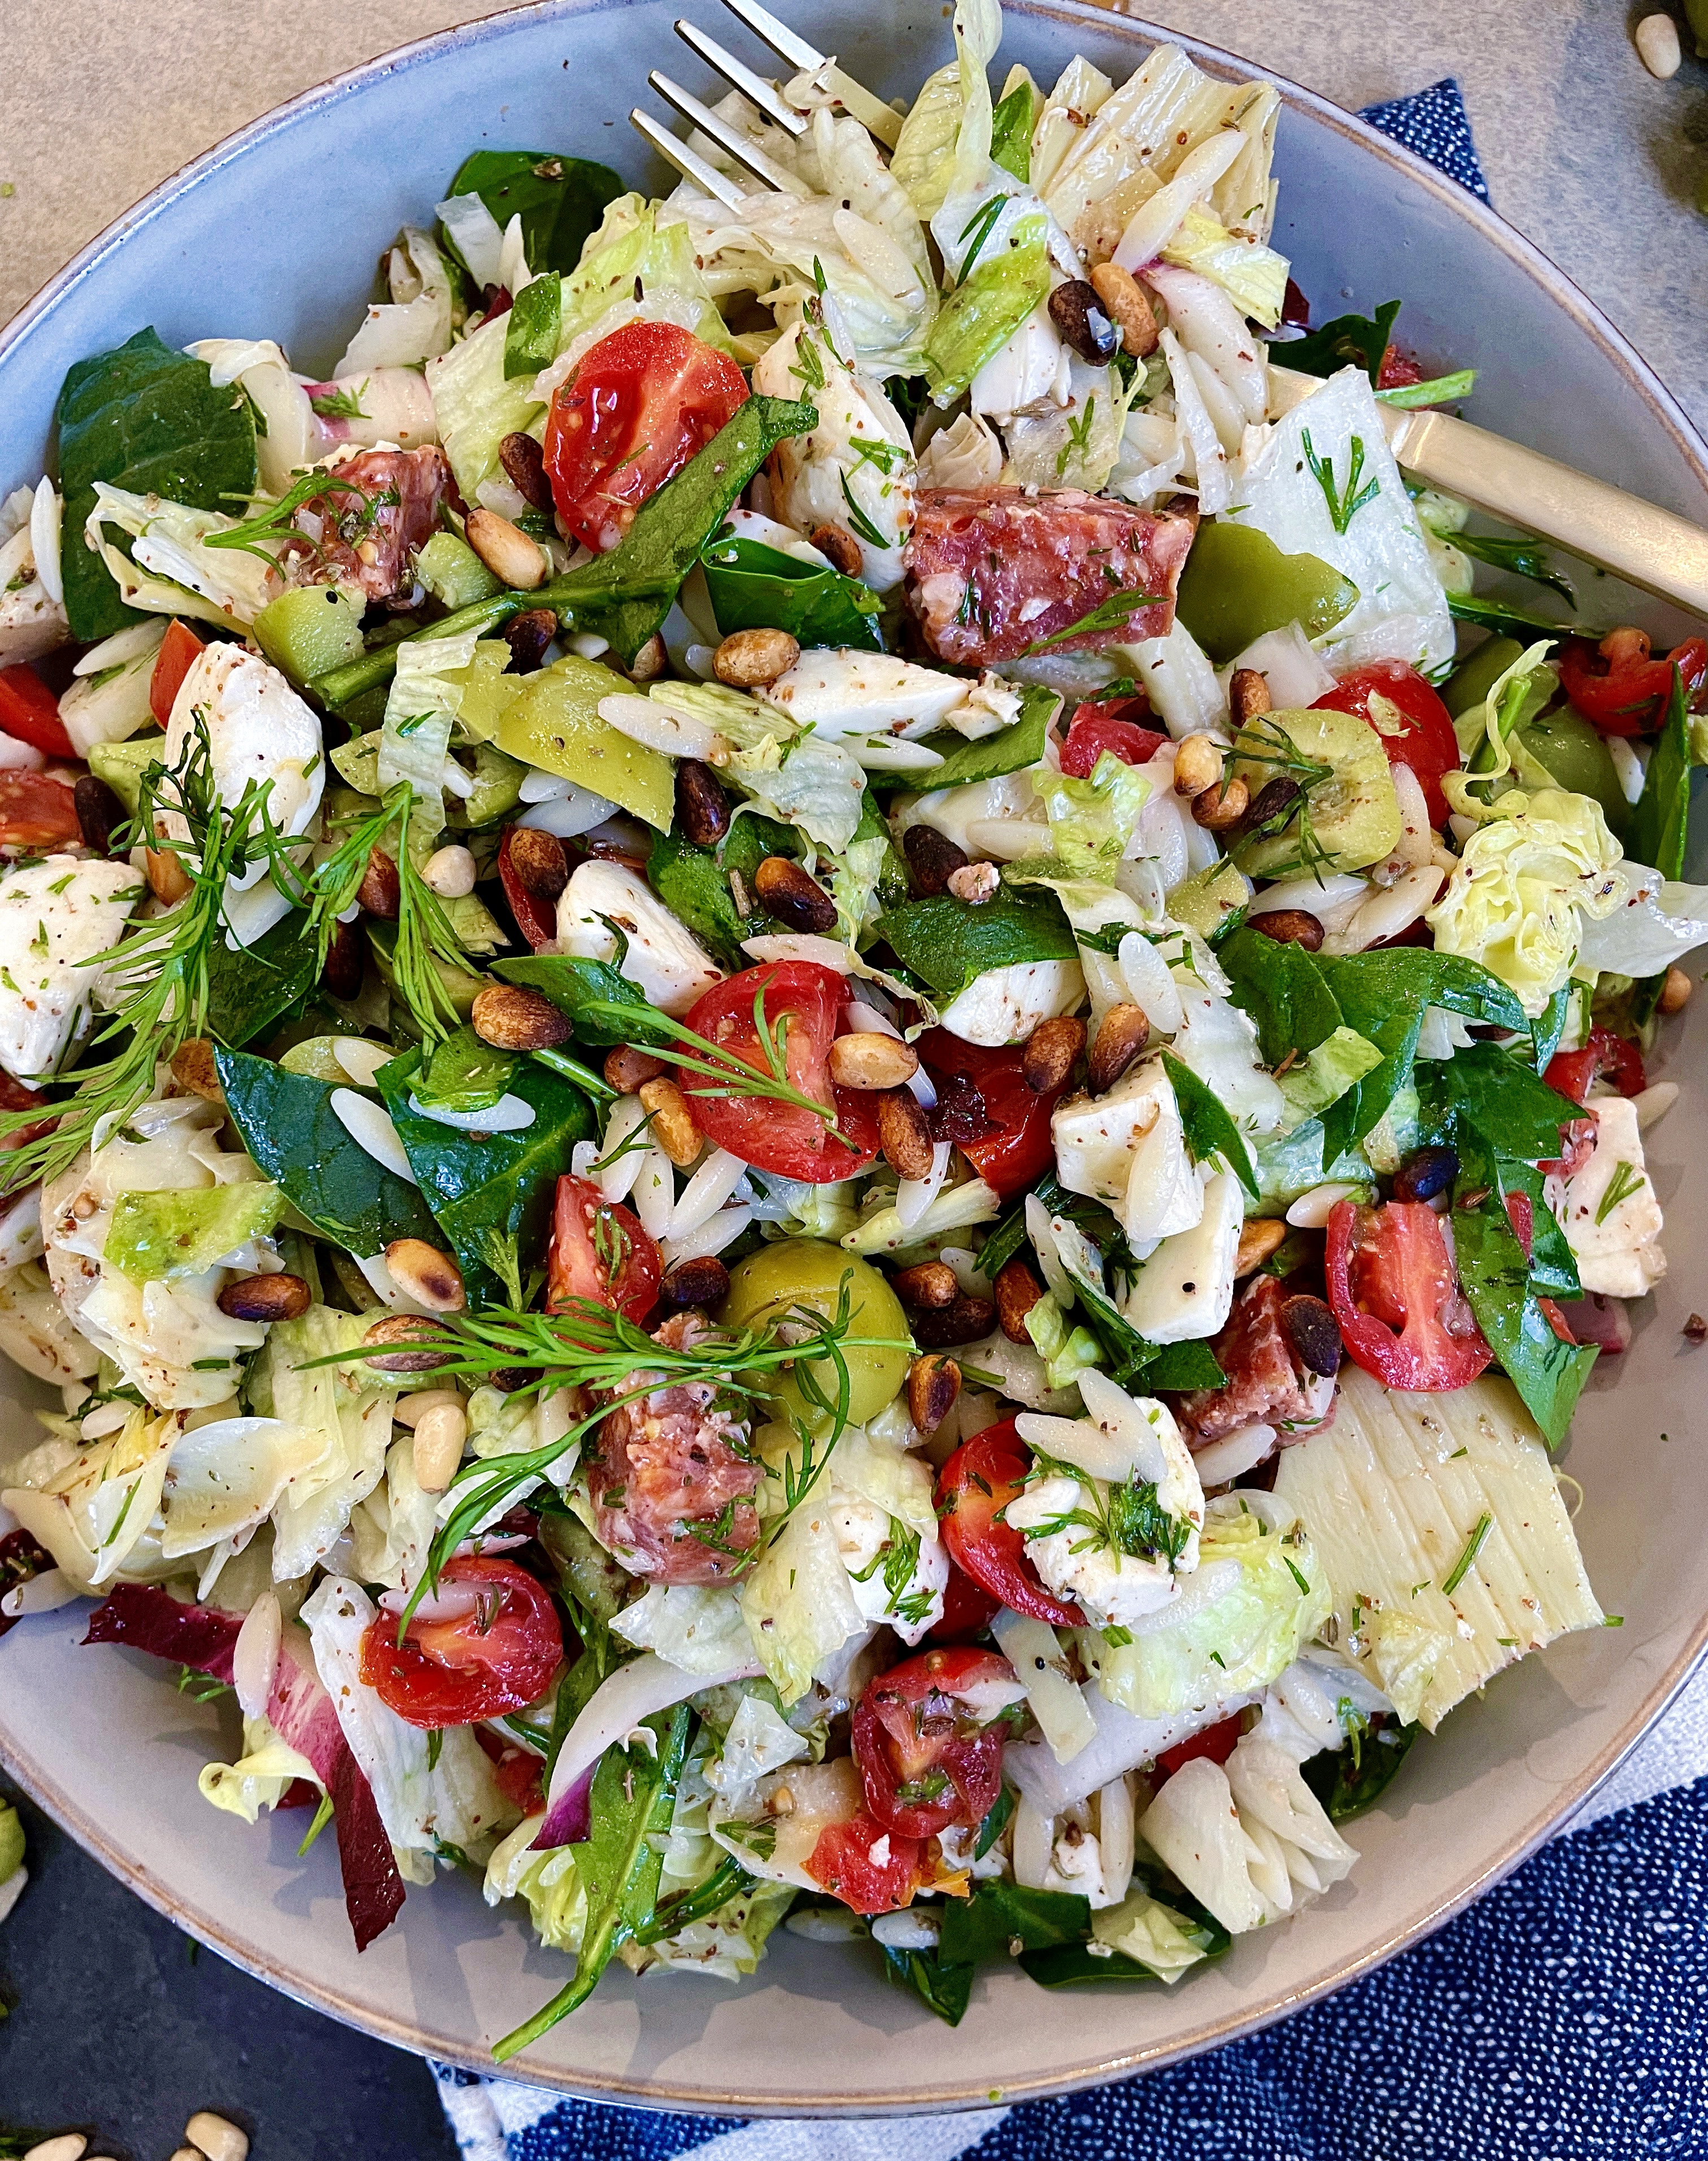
(486, 1186)
(530, 336)
(1354, 340)
(560, 200)
(1011, 132)
(148, 420)
(1496, 1279)
(1506, 620)
(1348, 1782)
(754, 587)
(254, 986)
(1019, 745)
(1283, 990)
(948, 944)
(619, 1862)
(985, 1925)
(1206, 1125)
(694, 883)
(286, 1122)
(941, 1985)
(1527, 557)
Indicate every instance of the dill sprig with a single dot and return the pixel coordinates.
(1127, 1518)
(160, 965)
(1265, 742)
(1344, 503)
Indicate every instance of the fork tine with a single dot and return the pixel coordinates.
(758, 92)
(881, 120)
(730, 140)
(689, 163)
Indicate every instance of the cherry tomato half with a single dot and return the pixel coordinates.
(967, 1609)
(981, 1477)
(1605, 1057)
(928, 1752)
(1426, 743)
(870, 1869)
(1394, 1291)
(30, 712)
(600, 1253)
(36, 811)
(1109, 727)
(638, 406)
(173, 661)
(1018, 1149)
(800, 1003)
(498, 1656)
(1218, 1743)
(1629, 701)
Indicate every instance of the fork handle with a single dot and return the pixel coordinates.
(1655, 549)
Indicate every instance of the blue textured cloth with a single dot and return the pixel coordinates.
(1565, 2015)
(1432, 122)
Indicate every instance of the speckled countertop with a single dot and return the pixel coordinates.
(119, 2026)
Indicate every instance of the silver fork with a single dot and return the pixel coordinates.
(1654, 549)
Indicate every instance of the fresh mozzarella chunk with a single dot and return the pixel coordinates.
(1123, 1437)
(1057, 1519)
(1033, 364)
(1127, 1148)
(1005, 1005)
(32, 619)
(35, 1332)
(260, 732)
(1608, 1210)
(952, 811)
(1219, 1043)
(1185, 1290)
(55, 916)
(664, 961)
(897, 1575)
(841, 692)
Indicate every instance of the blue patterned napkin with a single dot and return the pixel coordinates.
(1565, 2013)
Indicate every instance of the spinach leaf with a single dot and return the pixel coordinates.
(1072, 1964)
(1133, 1359)
(995, 1821)
(465, 1073)
(985, 1925)
(1011, 132)
(559, 199)
(1548, 1026)
(1372, 986)
(286, 1122)
(940, 1984)
(1190, 1365)
(1484, 1094)
(254, 986)
(575, 987)
(1527, 557)
(1348, 1781)
(488, 1190)
(754, 587)
(1206, 1125)
(530, 336)
(1495, 1277)
(149, 420)
(947, 942)
(1658, 832)
(1014, 748)
(619, 1862)
(1283, 990)
(694, 883)
(1553, 1264)
(1353, 339)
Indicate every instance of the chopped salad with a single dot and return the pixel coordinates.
(820, 1082)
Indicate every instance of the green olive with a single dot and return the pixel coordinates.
(1354, 813)
(803, 1272)
(1474, 679)
(1561, 750)
(1238, 584)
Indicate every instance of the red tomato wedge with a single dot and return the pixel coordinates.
(928, 1752)
(870, 1869)
(1018, 1148)
(600, 1253)
(30, 712)
(1394, 1291)
(1605, 1057)
(1097, 728)
(172, 664)
(499, 1655)
(1629, 701)
(967, 1609)
(1426, 743)
(979, 1481)
(638, 406)
(1218, 1743)
(36, 811)
(799, 1003)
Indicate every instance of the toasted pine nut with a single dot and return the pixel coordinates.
(928, 1285)
(1122, 1034)
(450, 871)
(841, 547)
(907, 1139)
(1018, 1290)
(627, 1069)
(1127, 307)
(1260, 1237)
(1675, 991)
(440, 1433)
(650, 662)
(863, 1061)
(1657, 46)
(1289, 926)
(1052, 1049)
(1197, 765)
(749, 659)
(264, 1298)
(413, 1406)
(413, 1333)
(702, 807)
(1219, 808)
(194, 1070)
(1247, 696)
(673, 1127)
(68, 2146)
(432, 1279)
(378, 894)
(506, 550)
(510, 1017)
(933, 1387)
(524, 464)
(220, 2140)
(168, 880)
(932, 857)
(539, 861)
(704, 1281)
(966, 1321)
(793, 893)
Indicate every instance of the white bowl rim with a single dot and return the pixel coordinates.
(64, 1807)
